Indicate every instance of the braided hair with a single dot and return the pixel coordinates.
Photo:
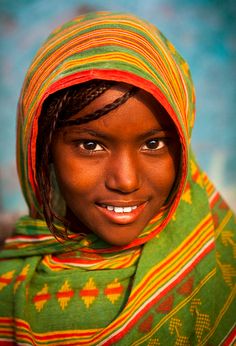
(57, 110)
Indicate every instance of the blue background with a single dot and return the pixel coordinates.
(202, 31)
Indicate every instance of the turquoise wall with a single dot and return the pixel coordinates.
(203, 32)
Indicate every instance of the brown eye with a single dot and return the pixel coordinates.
(90, 146)
(154, 144)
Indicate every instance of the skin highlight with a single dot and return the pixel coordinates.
(126, 159)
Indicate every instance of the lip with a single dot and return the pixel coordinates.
(120, 203)
(122, 218)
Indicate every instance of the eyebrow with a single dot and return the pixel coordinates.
(155, 132)
(103, 135)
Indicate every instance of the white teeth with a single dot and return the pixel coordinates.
(118, 209)
(121, 209)
(127, 209)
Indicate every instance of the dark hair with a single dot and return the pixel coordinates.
(56, 112)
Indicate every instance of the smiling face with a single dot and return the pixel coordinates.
(116, 172)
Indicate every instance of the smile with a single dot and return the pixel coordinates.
(120, 209)
(121, 215)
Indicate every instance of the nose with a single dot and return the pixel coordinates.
(123, 174)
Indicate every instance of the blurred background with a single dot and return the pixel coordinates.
(202, 31)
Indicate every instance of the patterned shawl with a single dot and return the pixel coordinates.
(174, 285)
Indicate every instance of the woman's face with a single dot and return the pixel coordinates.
(115, 173)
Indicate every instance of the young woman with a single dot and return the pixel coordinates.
(127, 242)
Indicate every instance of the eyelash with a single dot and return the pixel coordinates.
(84, 142)
(81, 145)
(157, 140)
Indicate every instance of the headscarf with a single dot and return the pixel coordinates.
(96, 47)
(158, 288)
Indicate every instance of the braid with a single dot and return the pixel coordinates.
(43, 164)
(56, 111)
(100, 112)
(78, 97)
(91, 93)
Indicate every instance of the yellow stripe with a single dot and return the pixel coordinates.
(177, 250)
(228, 302)
(223, 223)
(163, 276)
(177, 308)
(37, 336)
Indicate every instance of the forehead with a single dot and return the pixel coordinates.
(140, 109)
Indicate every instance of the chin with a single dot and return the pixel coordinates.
(121, 241)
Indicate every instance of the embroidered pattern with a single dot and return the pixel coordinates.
(202, 320)
(21, 277)
(196, 176)
(64, 295)
(146, 325)
(113, 291)
(154, 342)
(89, 293)
(187, 194)
(186, 288)
(41, 298)
(175, 325)
(228, 271)
(166, 305)
(227, 240)
(6, 278)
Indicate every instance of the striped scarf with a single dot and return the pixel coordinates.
(174, 284)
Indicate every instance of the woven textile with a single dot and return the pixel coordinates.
(174, 284)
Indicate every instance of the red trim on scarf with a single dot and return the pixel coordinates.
(231, 337)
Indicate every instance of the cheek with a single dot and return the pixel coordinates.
(75, 178)
(162, 177)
